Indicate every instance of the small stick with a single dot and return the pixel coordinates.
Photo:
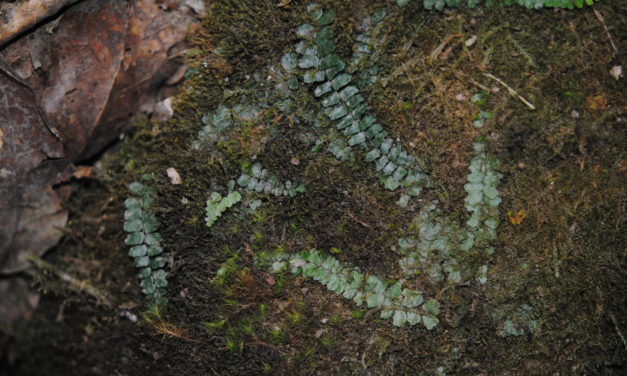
(74, 283)
(257, 341)
(607, 31)
(167, 329)
(620, 334)
(511, 91)
(358, 220)
(480, 85)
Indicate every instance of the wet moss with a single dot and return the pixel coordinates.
(565, 259)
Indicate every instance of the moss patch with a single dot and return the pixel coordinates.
(562, 163)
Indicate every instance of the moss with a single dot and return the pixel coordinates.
(567, 173)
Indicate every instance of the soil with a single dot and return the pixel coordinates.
(563, 164)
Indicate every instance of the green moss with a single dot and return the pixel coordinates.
(566, 173)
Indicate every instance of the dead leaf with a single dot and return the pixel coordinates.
(82, 172)
(597, 102)
(31, 161)
(93, 46)
(17, 300)
(174, 176)
(105, 63)
(20, 16)
(270, 281)
(617, 72)
(517, 218)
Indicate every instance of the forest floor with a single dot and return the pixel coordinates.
(554, 298)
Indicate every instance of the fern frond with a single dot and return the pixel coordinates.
(217, 205)
(143, 238)
(529, 4)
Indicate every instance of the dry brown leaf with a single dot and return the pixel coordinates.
(82, 172)
(270, 281)
(597, 102)
(31, 161)
(516, 218)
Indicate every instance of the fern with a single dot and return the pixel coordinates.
(217, 205)
(483, 196)
(404, 306)
(219, 122)
(260, 180)
(529, 4)
(432, 250)
(348, 109)
(364, 49)
(144, 240)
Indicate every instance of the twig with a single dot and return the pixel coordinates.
(620, 334)
(440, 47)
(74, 283)
(511, 91)
(257, 341)
(481, 86)
(358, 220)
(167, 329)
(607, 31)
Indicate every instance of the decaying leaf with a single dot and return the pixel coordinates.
(597, 102)
(103, 63)
(516, 218)
(174, 176)
(31, 161)
(17, 17)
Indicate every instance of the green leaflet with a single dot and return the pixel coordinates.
(288, 62)
(218, 123)
(144, 240)
(400, 303)
(483, 196)
(529, 4)
(356, 132)
(216, 205)
(349, 110)
(260, 180)
(430, 322)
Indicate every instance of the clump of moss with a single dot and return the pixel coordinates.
(563, 260)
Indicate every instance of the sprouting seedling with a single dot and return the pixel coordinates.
(144, 240)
